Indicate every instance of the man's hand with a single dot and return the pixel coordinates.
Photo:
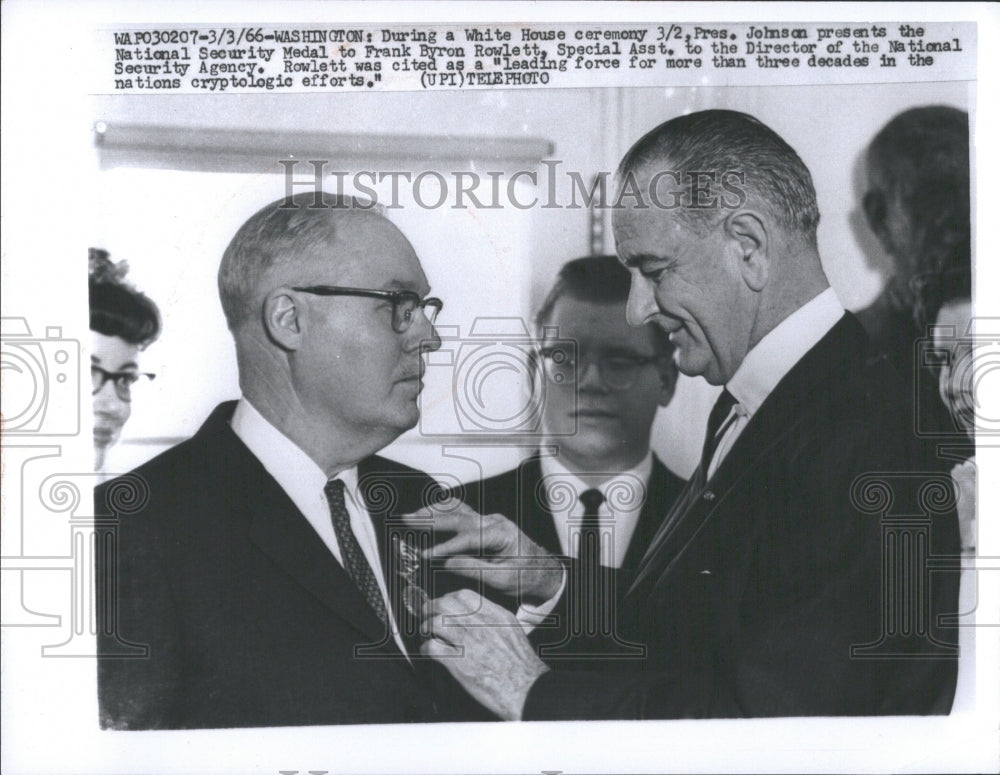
(492, 547)
(483, 646)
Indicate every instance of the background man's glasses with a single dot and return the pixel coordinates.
(404, 303)
(618, 371)
(123, 380)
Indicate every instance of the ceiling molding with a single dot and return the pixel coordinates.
(249, 151)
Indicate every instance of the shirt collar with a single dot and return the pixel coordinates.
(773, 357)
(294, 471)
(553, 470)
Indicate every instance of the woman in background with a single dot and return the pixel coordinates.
(946, 302)
(123, 321)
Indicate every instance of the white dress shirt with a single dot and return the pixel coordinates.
(303, 481)
(770, 360)
(624, 496)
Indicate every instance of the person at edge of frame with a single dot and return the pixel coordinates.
(917, 205)
(123, 323)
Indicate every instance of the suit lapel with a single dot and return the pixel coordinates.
(283, 534)
(696, 507)
(660, 496)
(278, 529)
(780, 413)
(535, 513)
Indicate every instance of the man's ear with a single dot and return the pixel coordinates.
(668, 380)
(748, 234)
(283, 319)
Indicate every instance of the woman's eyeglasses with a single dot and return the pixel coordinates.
(123, 380)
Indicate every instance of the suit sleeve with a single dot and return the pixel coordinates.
(811, 636)
(139, 669)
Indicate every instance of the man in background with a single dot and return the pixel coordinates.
(594, 492)
(917, 204)
(259, 580)
(772, 587)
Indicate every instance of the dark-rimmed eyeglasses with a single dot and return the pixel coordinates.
(618, 371)
(404, 303)
(123, 380)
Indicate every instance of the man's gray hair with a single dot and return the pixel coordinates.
(733, 144)
(279, 235)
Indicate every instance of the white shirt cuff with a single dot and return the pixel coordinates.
(530, 616)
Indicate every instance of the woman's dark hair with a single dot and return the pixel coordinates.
(116, 308)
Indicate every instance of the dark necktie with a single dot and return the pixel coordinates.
(723, 406)
(589, 590)
(355, 562)
(590, 531)
(695, 489)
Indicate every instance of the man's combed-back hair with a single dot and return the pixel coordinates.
(727, 142)
(116, 307)
(282, 233)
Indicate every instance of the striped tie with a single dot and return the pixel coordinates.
(713, 435)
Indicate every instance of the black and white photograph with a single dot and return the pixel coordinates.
(499, 388)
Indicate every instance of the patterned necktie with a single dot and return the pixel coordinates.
(723, 406)
(355, 562)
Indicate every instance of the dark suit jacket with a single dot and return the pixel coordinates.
(773, 590)
(519, 495)
(248, 618)
(892, 331)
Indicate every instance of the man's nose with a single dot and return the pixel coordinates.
(641, 306)
(429, 339)
(106, 399)
(589, 377)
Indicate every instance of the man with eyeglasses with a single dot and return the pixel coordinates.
(594, 492)
(258, 579)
